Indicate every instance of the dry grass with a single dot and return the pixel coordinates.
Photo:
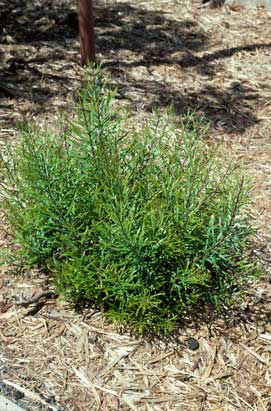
(213, 62)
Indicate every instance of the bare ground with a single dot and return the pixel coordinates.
(216, 63)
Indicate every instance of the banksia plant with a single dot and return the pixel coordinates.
(145, 225)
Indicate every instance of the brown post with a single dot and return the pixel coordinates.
(86, 31)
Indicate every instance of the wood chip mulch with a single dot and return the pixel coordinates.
(214, 62)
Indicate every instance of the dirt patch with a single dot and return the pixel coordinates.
(215, 63)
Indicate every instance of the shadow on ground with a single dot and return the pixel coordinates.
(127, 37)
(33, 36)
(247, 310)
(226, 109)
(131, 38)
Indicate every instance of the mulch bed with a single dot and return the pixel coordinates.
(215, 63)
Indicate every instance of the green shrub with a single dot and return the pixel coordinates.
(145, 225)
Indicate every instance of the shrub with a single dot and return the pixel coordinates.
(145, 225)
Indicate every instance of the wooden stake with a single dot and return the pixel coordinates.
(86, 31)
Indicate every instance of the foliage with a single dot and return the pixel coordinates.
(145, 225)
